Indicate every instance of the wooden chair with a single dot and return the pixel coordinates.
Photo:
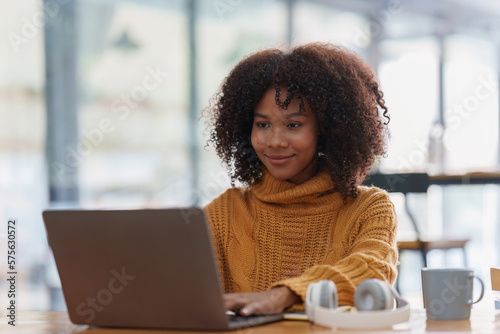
(415, 183)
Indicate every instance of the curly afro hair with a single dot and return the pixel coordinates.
(339, 87)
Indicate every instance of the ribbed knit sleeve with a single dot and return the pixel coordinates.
(369, 251)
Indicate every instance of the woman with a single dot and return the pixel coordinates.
(300, 129)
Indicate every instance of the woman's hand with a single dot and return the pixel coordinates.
(272, 301)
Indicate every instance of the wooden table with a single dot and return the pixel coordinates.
(482, 321)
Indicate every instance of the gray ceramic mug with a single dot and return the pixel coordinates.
(448, 292)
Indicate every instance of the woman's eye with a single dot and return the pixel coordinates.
(293, 125)
(261, 125)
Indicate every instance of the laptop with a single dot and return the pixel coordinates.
(152, 268)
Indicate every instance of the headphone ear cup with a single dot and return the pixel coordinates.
(327, 294)
(322, 294)
(373, 294)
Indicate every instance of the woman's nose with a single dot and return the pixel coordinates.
(277, 139)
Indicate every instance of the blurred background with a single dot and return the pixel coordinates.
(100, 105)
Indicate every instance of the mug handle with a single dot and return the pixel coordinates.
(472, 276)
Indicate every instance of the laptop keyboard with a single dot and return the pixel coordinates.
(238, 321)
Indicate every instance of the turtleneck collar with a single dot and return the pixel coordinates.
(272, 190)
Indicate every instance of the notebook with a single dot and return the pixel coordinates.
(152, 268)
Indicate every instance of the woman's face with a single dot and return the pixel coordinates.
(285, 140)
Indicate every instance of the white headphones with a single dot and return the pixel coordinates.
(373, 298)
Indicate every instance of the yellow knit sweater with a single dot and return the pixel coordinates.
(278, 233)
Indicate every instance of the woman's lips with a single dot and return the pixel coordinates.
(279, 160)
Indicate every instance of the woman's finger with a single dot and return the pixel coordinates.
(261, 306)
(265, 302)
(235, 301)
